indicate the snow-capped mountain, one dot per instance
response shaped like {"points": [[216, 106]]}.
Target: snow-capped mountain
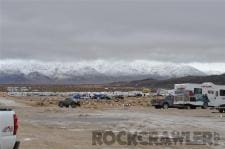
{"points": [[97, 71]]}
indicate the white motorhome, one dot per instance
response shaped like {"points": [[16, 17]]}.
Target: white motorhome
{"points": [[215, 93]]}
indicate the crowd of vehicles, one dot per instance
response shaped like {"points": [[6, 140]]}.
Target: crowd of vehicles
{"points": [[186, 95], [8, 129], [75, 100]]}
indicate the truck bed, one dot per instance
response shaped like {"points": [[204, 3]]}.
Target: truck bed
{"points": [[7, 138]]}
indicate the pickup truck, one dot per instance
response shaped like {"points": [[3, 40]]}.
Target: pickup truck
{"points": [[8, 129], [163, 102]]}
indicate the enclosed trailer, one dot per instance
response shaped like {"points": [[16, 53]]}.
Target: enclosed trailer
{"points": [[189, 95], [190, 101]]}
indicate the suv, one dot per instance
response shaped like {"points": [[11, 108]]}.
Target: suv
{"points": [[69, 102], [101, 96]]}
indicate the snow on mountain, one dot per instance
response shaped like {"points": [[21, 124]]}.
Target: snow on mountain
{"points": [[210, 68], [97, 69]]}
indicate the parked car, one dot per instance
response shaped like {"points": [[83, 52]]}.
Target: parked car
{"points": [[101, 96], [69, 102], [77, 96], [119, 97], [138, 95], [8, 129], [164, 102]]}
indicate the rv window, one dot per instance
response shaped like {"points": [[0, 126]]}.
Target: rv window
{"points": [[197, 91], [222, 92], [217, 94], [210, 92]]}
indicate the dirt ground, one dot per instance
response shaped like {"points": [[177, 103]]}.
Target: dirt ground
{"points": [[45, 126]]}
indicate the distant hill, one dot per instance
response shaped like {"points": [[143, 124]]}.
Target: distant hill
{"points": [[102, 72], [98, 72], [217, 79]]}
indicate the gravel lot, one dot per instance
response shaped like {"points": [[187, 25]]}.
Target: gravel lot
{"points": [[49, 127]]}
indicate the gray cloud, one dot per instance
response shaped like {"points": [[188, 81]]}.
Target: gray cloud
{"points": [[175, 31]]}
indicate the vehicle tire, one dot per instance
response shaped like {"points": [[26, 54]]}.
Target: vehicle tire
{"points": [[17, 145], [165, 106], [188, 107], [221, 110], [193, 107], [73, 105], [78, 104], [61, 105], [157, 107], [205, 105]]}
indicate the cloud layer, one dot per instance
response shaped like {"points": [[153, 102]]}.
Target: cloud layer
{"points": [[165, 31]]}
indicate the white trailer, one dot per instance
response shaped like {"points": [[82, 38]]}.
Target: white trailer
{"points": [[189, 95], [190, 101]]}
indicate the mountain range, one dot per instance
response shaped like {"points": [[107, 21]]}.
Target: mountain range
{"points": [[90, 72], [95, 72], [169, 83]]}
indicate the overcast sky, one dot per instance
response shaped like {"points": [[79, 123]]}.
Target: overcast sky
{"points": [[181, 31]]}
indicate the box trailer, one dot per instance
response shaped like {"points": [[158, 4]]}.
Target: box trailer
{"points": [[190, 101]]}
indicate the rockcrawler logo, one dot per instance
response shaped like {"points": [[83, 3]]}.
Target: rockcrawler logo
{"points": [[155, 138]]}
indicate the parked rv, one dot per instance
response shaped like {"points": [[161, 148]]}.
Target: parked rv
{"points": [[214, 93]]}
